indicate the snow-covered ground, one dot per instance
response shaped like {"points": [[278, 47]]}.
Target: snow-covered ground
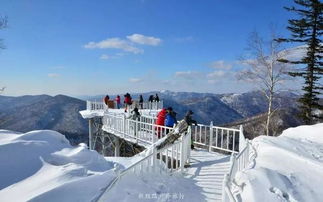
{"points": [[43, 166], [288, 167]]}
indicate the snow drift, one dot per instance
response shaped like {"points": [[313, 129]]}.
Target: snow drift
{"points": [[43, 166], [288, 167]]}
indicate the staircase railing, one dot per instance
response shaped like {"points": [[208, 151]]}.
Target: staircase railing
{"points": [[165, 161], [244, 160]]}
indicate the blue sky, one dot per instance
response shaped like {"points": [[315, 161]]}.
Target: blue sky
{"points": [[79, 47]]}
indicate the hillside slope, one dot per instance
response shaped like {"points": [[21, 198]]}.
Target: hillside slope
{"points": [[59, 113]]}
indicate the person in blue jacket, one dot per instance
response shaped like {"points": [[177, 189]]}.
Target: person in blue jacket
{"points": [[170, 119]]}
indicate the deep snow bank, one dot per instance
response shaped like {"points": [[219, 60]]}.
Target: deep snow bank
{"points": [[43, 166], [288, 167]]}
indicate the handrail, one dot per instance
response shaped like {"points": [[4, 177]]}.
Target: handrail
{"points": [[215, 137], [244, 160], [183, 156]]}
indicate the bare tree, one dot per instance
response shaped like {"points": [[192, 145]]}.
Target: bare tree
{"points": [[264, 69]]}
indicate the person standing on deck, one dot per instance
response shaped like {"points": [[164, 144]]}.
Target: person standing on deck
{"points": [[151, 98], [118, 100], [160, 121], [156, 98], [106, 99], [127, 101], [135, 115], [189, 120], [170, 120], [141, 101]]}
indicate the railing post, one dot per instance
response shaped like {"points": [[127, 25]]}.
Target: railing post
{"points": [[211, 136], [124, 125], [182, 154], [242, 140], [154, 158], [188, 144], [90, 134], [153, 133]]}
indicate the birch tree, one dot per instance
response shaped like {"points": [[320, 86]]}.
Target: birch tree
{"points": [[264, 70]]}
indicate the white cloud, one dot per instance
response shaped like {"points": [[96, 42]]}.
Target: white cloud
{"points": [[144, 40], [189, 75], [114, 43], [216, 74], [53, 75], [220, 64], [135, 80], [106, 57]]}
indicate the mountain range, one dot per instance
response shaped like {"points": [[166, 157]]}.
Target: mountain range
{"points": [[61, 113]]}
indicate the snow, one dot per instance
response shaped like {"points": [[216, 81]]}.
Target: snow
{"points": [[154, 187], [288, 167], [43, 166]]}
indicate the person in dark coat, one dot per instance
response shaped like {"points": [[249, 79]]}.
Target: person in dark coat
{"points": [[141, 101], [156, 98], [106, 99], [135, 115], [189, 120], [151, 98]]}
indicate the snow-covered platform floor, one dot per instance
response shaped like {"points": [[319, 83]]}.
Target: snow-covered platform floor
{"points": [[208, 170]]}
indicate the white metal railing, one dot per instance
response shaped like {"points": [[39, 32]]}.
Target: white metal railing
{"points": [[147, 105], [167, 160], [244, 160], [213, 137], [93, 105], [143, 130]]}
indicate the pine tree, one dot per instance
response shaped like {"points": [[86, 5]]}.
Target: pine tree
{"points": [[307, 29]]}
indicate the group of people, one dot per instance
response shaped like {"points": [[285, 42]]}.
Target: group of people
{"points": [[166, 117], [128, 100], [153, 98]]}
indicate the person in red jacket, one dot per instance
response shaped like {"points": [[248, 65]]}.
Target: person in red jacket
{"points": [[160, 121], [127, 101], [118, 100]]}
